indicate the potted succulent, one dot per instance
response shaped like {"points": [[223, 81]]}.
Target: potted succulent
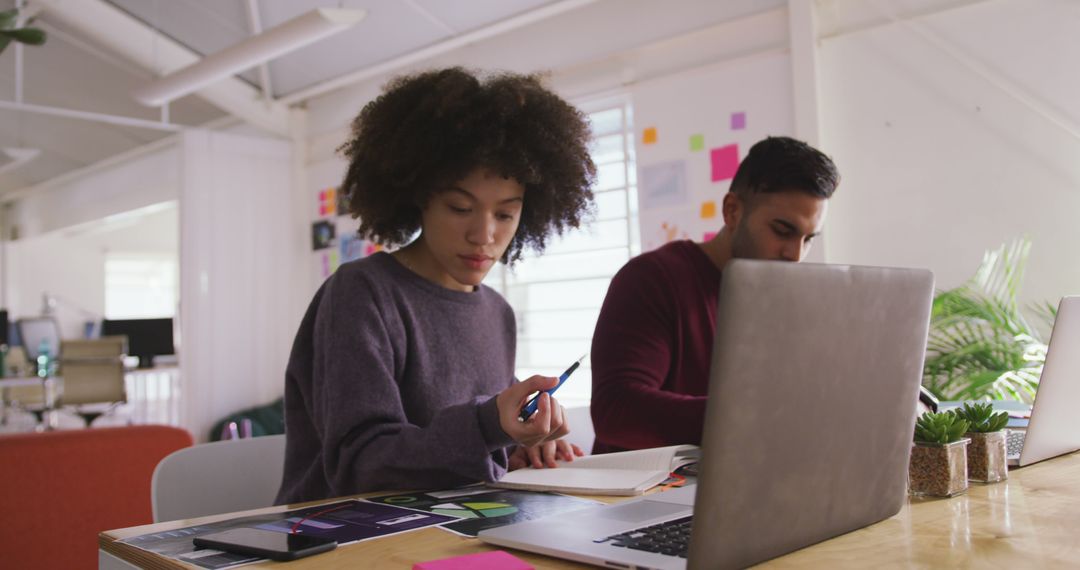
{"points": [[938, 466], [986, 455]]}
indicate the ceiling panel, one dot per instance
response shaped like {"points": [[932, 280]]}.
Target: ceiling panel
{"points": [[467, 16], [203, 26], [69, 73], [391, 28], [1034, 45]]}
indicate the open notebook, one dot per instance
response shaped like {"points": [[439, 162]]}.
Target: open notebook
{"points": [[623, 473]]}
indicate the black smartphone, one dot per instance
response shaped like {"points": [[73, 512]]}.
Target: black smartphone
{"points": [[273, 545]]}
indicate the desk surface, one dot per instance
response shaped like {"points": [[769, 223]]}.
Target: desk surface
{"points": [[1028, 521]]}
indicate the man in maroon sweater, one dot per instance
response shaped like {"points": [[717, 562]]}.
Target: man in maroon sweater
{"points": [[652, 347]]}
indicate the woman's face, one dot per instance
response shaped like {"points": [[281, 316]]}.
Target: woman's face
{"points": [[466, 228]]}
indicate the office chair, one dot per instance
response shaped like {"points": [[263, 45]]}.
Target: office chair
{"points": [[93, 372], [30, 398], [218, 477]]}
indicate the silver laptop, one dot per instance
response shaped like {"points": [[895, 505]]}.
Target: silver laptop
{"points": [[1054, 427], [807, 432]]}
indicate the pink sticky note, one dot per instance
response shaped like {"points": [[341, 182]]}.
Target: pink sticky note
{"points": [[494, 560], [725, 161], [738, 121], [708, 236]]}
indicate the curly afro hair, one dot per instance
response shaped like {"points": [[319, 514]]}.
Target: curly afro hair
{"points": [[430, 130]]}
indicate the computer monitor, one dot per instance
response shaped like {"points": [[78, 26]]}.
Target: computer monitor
{"points": [[36, 332], [147, 338]]}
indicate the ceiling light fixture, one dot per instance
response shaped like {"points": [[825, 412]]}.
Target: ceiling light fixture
{"points": [[279, 40]]}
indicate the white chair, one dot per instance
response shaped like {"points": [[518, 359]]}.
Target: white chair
{"points": [[218, 477], [581, 428]]}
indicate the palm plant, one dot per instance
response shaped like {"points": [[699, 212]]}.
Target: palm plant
{"points": [[981, 347]]}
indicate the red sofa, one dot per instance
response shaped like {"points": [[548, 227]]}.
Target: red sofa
{"points": [[59, 489]]}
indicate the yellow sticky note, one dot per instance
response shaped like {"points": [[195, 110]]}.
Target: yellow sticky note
{"points": [[708, 210], [649, 135]]}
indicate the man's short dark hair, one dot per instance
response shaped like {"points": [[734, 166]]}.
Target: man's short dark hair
{"points": [[429, 130], [779, 164]]}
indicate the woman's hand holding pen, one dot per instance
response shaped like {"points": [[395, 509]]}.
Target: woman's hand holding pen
{"points": [[546, 425]]}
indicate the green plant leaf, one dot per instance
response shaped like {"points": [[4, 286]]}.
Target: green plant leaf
{"points": [[8, 19], [31, 36], [980, 344]]}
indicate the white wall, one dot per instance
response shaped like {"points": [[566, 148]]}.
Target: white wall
{"points": [[113, 187], [702, 103], [241, 248], [954, 133], [608, 45], [69, 264], [647, 48], [66, 268]]}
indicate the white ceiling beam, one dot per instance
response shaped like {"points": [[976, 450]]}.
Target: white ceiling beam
{"points": [[109, 26], [436, 49], [255, 23]]}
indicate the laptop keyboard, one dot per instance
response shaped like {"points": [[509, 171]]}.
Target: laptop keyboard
{"points": [[671, 538], [1014, 443]]}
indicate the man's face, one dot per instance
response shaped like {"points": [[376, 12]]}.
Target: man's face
{"points": [[778, 226]]}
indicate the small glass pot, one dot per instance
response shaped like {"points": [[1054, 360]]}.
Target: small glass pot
{"points": [[986, 457], [938, 470]]}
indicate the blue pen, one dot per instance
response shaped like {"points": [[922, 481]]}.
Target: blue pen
{"points": [[530, 407]]}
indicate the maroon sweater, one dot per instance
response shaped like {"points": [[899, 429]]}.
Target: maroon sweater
{"points": [[652, 348]]}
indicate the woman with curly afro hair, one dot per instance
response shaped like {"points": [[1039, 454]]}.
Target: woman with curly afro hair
{"points": [[402, 372]]}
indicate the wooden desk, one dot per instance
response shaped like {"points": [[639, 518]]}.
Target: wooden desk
{"points": [[1031, 520]]}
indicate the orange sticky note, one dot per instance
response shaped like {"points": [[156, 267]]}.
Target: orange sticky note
{"points": [[648, 136], [708, 210]]}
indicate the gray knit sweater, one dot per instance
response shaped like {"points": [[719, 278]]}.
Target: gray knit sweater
{"points": [[391, 384]]}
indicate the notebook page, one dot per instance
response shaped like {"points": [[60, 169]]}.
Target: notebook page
{"points": [[656, 459]]}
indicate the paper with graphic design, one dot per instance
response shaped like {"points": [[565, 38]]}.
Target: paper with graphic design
{"points": [[344, 521], [663, 184], [480, 508]]}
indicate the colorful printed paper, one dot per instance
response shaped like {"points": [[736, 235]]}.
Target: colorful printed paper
{"points": [[351, 247], [725, 161], [327, 202], [480, 508], [346, 522], [322, 234], [663, 184], [738, 121]]}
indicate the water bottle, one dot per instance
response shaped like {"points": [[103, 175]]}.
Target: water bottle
{"points": [[44, 359]]}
